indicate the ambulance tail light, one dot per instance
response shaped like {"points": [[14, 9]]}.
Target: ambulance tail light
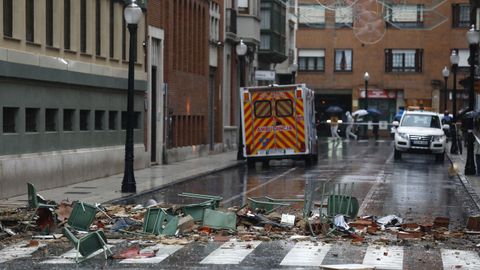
{"points": [[249, 150], [298, 93], [302, 147], [246, 96]]}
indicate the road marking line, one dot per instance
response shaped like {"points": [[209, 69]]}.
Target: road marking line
{"points": [[259, 186], [232, 252], [383, 257], [306, 254], [17, 251], [69, 256], [460, 259], [163, 251]]}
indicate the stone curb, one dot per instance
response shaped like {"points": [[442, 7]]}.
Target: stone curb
{"points": [[468, 187], [218, 169]]}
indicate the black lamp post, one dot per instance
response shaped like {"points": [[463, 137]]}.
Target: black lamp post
{"points": [[454, 59], [366, 77], [445, 73], [241, 50], [132, 14], [473, 38]]}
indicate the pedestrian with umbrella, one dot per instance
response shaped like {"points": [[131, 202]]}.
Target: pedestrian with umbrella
{"points": [[348, 130], [334, 110], [375, 120]]}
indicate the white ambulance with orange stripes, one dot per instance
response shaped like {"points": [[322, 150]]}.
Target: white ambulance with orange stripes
{"points": [[278, 123]]}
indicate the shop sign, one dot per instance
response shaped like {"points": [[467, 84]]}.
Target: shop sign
{"points": [[378, 93]]}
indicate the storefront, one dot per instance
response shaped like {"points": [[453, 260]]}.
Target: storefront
{"points": [[383, 100]]}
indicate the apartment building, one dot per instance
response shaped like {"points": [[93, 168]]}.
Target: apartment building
{"points": [[63, 92], [403, 45]]}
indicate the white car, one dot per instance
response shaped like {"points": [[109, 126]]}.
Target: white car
{"points": [[420, 132]]}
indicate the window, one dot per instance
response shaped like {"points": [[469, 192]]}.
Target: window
{"points": [[7, 18], [403, 60], [343, 60], [265, 17], [460, 15], [311, 60], [265, 42], [99, 120], [343, 17], [49, 22], [84, 120], [214, 21], [124, 44], [83, 26], [68, 119], [10, 116], [112, 120], [124, 121], [66, 24], [98, 28], [136, 120], [243, 6], [311, 15], [463, 55], [283, 108], [29, 20], [262, 109], [406, 16], [112, 29], [415, 120], [51, 116], [31, 119]]}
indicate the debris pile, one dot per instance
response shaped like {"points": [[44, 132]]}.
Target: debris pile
{"points": [[263, 219]]}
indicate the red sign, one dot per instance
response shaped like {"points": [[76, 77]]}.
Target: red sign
{"points": [[378, 93]]}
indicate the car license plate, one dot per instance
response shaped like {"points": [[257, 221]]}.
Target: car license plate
{"points": [[420, 142], [276, 152]]}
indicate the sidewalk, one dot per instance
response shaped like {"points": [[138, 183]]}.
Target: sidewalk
{"points": [[156, 177], [470, 182]]}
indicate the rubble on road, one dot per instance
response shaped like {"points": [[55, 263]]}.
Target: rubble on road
{"points": [[170, 224]]}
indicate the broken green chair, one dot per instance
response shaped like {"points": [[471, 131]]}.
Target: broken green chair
{"points": [[220, 220], [266, 203], [82, 216], [157, 221], [87, 245], [196, 210], [342, 204], [35, 201]]}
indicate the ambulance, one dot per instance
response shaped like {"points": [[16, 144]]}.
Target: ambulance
{"points": [[278, 123]]}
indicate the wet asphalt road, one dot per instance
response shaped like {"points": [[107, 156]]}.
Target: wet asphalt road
{"points": [[415, 188]]}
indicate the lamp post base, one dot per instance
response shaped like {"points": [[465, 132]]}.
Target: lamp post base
{"points": [[454, 146]]}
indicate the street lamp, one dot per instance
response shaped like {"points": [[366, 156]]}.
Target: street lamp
{"points": [[445, 73], [454, 59], [473, 38], [241, 49], [366, 77], [132, 14]]}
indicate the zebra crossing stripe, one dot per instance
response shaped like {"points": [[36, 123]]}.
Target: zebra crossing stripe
{"points": [[460, 259], [17, 251], [69, 256], [306, 254], [231, 252], [384, 257], [162, 252]]}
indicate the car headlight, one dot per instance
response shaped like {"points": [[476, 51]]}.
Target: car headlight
{"points": [[403, 135], [438, 138]]}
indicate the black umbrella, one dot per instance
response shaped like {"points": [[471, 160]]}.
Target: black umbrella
{"points": [[334, 109], [374, 111]]}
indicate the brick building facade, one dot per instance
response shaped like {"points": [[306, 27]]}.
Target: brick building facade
{"points": [[403, 48]]}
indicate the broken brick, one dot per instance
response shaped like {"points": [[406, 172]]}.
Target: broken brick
{"points": [[409, 235], [441, 222], [221, 238], [426, 227], [473, 223]]}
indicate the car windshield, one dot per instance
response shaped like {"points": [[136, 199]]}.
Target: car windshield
{"points": [[418, 120]]}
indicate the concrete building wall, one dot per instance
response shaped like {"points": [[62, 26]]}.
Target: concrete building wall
{"points": [[40, 76]]}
